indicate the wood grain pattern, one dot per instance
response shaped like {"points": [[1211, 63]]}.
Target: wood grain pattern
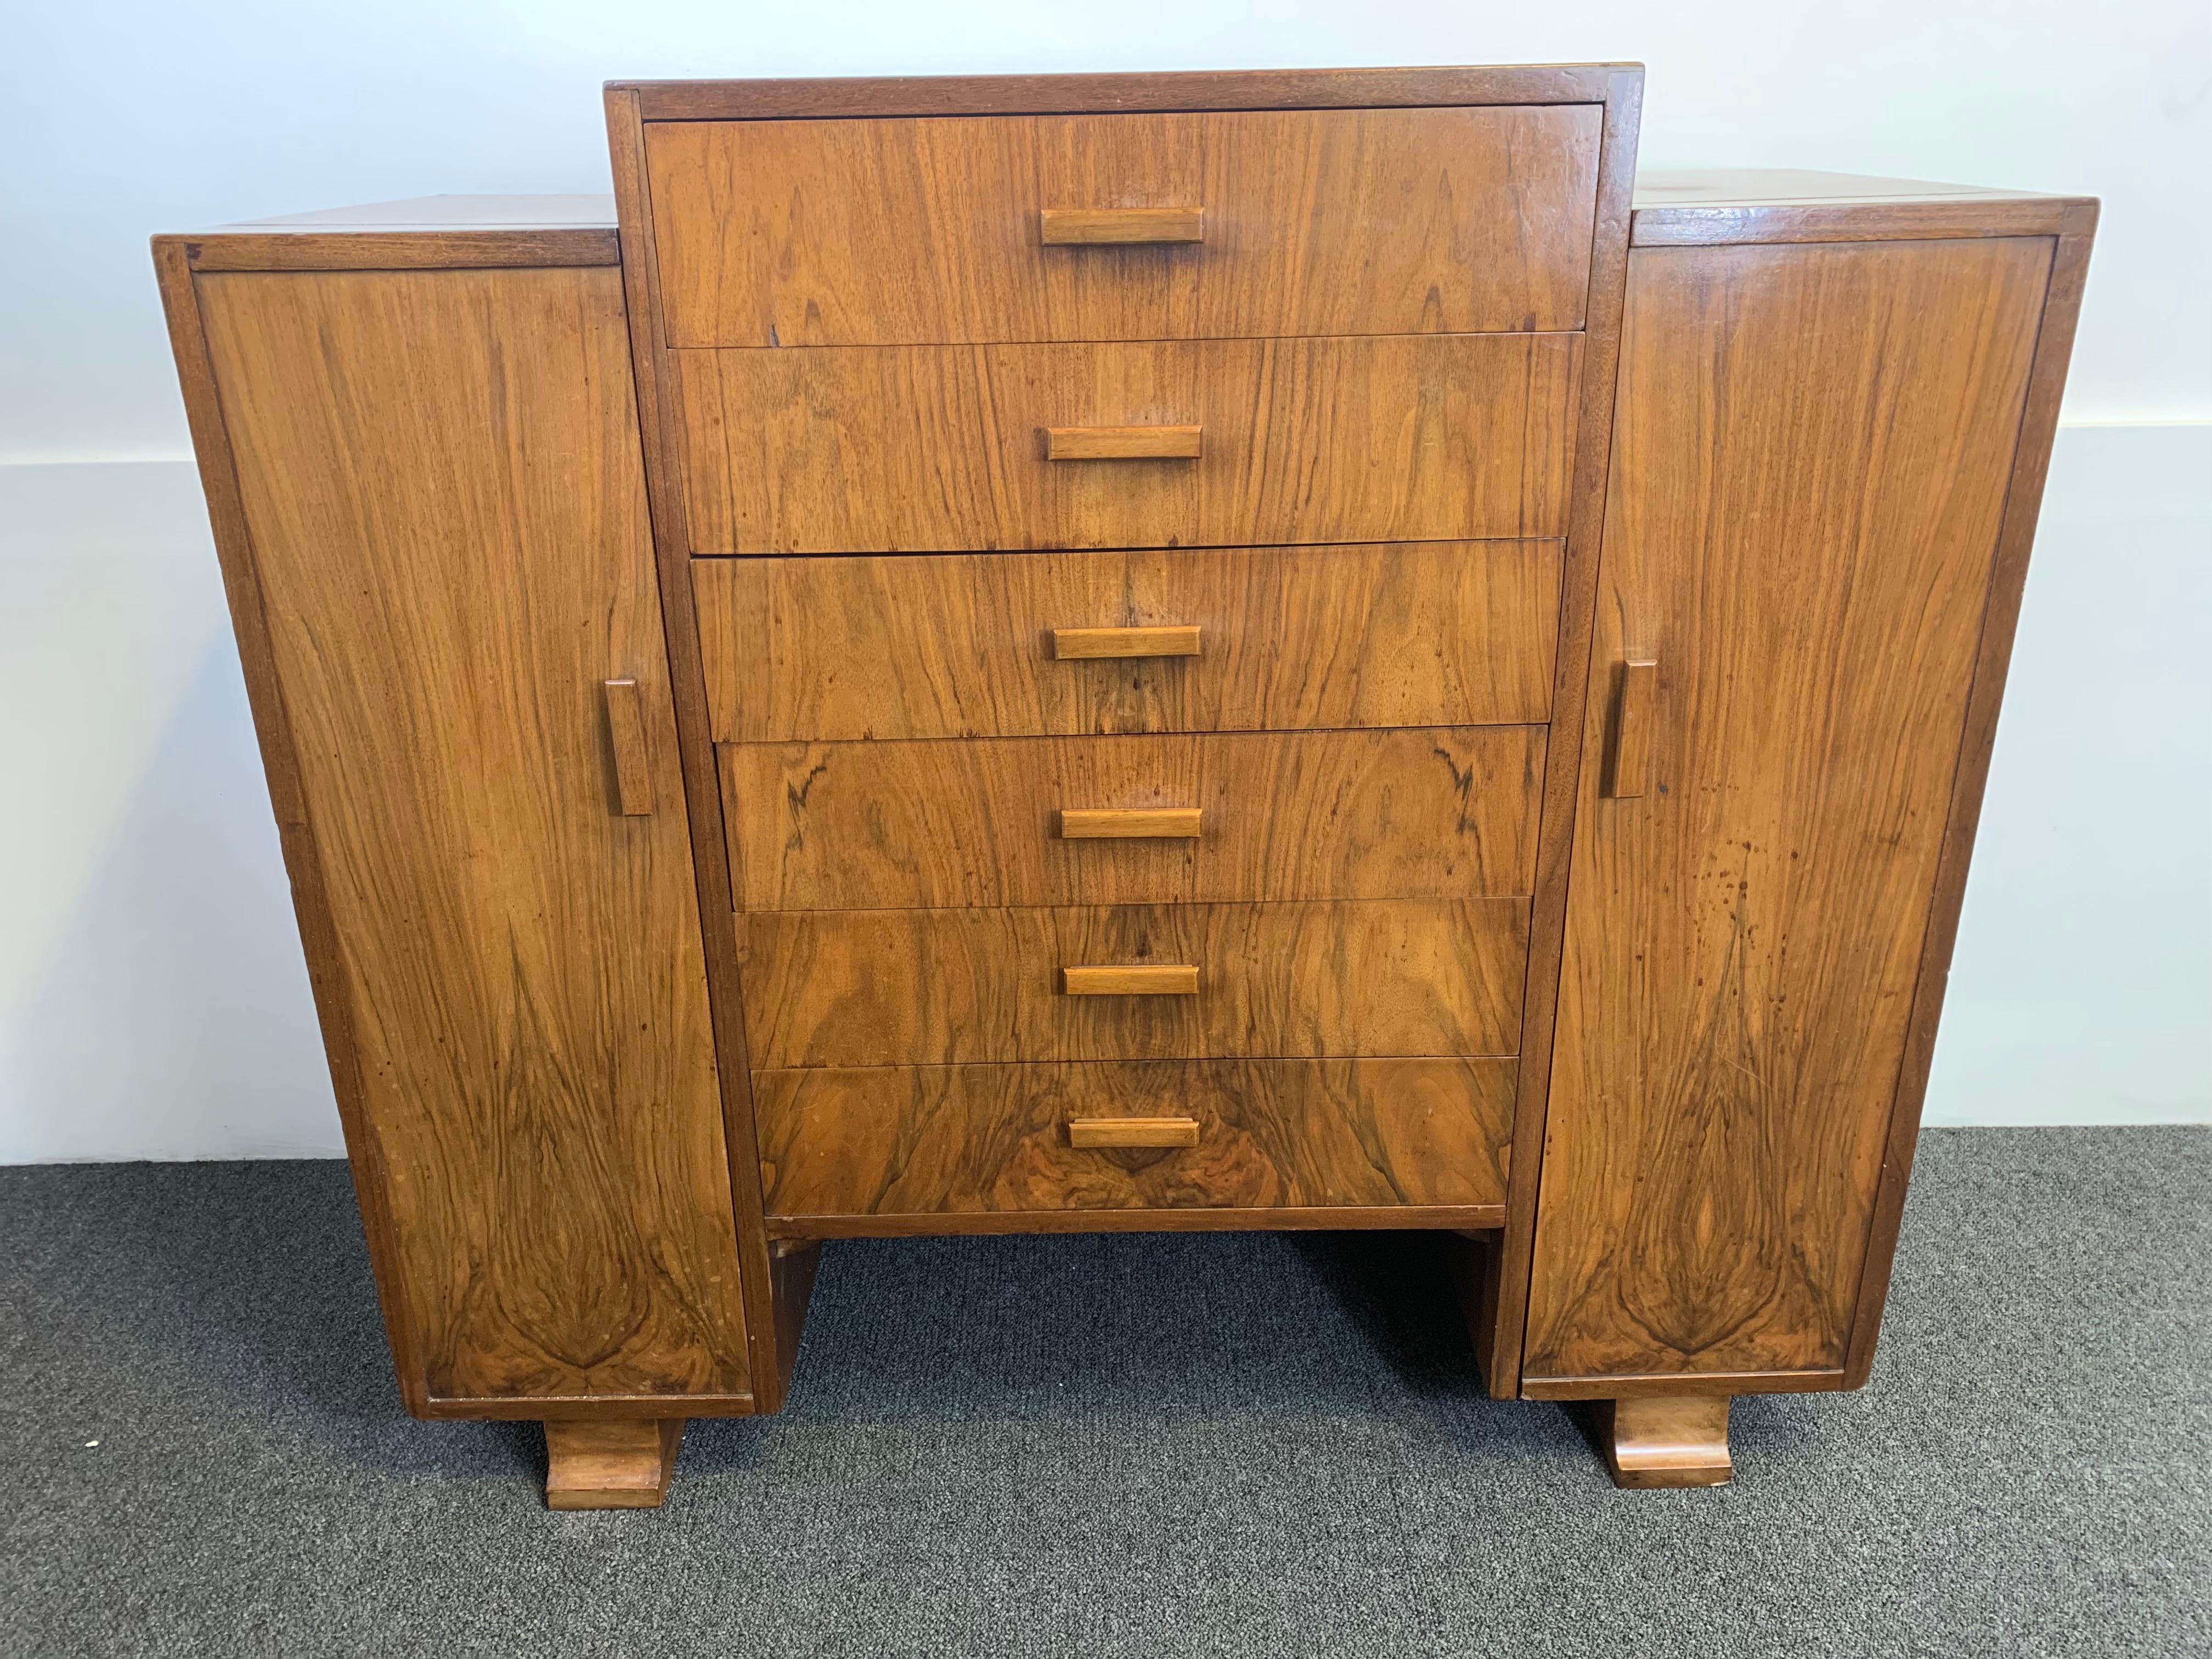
{"points": [[401, 250], [898, 231], [303, 861], [1667, 1441], [424, 233], [1814, 451], [1717, 206], [889, 987], [1631, 1385], [878, 97], [440, 469], [937, 1142], [1629, 753], [1435, 812], [1090, 644], [612, 1463], [994, 1223], [633, 763], [1123, 443], [1132, 824], [1159, 979], [1119, 227], [2031, 460], [1418, 634], [1502, 1299], [1093, 1133], [934, 448], [656, 420]]}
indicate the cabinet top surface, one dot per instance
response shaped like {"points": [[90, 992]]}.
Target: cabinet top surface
{"points": [[1709, 188], [543, 212], [1202, 89], [1672, 208]]}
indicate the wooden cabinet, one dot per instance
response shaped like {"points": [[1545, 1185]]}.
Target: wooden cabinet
{"points": [[439, 556], [1815, 458], [1124, 653]]}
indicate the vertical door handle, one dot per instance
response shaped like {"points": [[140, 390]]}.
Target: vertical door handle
{"points": [[1633, 713], [626, 726]]}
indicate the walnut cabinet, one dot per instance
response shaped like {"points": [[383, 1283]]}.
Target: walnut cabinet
{"points": [[1276, 650]]}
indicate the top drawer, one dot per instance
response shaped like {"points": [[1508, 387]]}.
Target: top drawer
{"points": [[932, 232]]}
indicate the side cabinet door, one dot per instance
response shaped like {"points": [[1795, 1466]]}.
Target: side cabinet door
{"points": [[1810, 464], [445, 499]]}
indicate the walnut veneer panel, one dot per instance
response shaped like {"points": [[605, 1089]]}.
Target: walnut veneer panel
{"points": [[1810, 467], [887, 987], [939, 449], [1273, 1135], [440, 474], [927, 232], [1442, 811], [1408, 633]]}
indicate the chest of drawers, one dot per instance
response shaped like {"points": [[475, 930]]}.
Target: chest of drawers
{"points": [[1128, 590], [1116, 652]]}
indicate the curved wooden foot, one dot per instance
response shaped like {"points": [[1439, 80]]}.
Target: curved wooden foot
{"points": [[1667, 1440], [610, 1462]]}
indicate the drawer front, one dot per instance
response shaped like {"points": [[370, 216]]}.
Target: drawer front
{"points": [[1442, 812], [1003, 644], [938, 1140], [1254, 224], [943, 448], [894, 988]]}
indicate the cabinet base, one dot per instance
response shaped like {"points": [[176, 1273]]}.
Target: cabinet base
{"points": [[1666, 1440], [610, 1463]]}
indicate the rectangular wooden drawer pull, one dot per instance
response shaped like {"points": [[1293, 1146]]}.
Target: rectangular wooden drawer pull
{"points": [[1632, 728], [1166, 979], [1129, 823], [1133, 1131], [1119, 227], [1072, 643], [626, 727], [1121, 443]]}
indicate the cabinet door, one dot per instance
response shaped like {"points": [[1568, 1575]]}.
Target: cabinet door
{"points": [[1810, 464], [442, 488]]}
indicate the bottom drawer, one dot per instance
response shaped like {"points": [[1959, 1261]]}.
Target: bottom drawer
{"points": [[941, 1141]]}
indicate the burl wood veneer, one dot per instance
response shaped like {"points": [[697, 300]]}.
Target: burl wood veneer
{"points": [[1128, 652]]}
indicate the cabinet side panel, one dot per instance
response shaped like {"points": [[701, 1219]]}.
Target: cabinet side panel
{"points": [[1810, 472], [443, 491]]}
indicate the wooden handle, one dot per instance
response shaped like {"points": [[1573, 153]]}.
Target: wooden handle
{"points": [[626, 726], [1133, 1131], [1119, 227], [1129, 823], [1166, 979], [1069, 643], [1631, 726], [1121, 443]]}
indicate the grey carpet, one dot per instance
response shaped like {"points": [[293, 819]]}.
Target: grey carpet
{"points": [[1262, 1445]]}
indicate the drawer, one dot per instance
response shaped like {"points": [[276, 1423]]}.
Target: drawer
{"points": [[894, 987], [1307, 222], [934, 1140], [1220, 640], [944, 448], [1440, 811]]}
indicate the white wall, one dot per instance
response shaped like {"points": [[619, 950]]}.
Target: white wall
{"points": [[152, 998]]}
